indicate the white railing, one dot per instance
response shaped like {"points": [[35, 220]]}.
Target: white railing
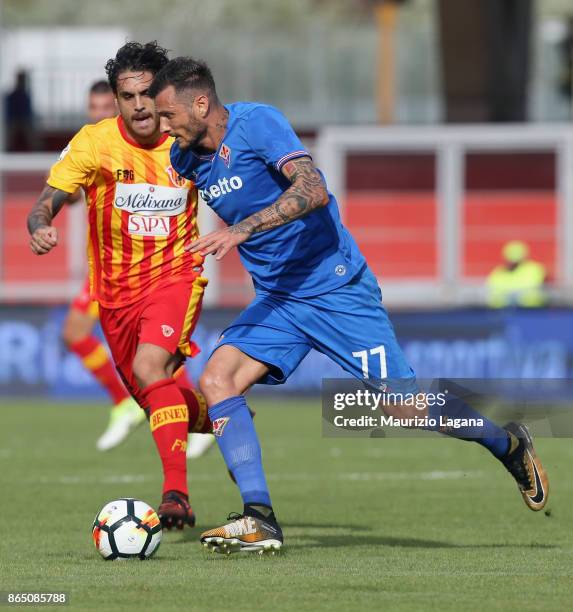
{"points": [[65, 289], [450, 144]]}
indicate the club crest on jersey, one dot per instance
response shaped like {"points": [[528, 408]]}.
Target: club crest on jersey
{"points": [[219, 425], [167, 330], [176, 179], [225, 154]]}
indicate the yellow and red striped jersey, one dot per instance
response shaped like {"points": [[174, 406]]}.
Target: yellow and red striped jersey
{"points": [[141, 212]]}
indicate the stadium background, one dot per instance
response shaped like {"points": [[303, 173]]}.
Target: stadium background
{"points": [[397, 102], [430, 203]]}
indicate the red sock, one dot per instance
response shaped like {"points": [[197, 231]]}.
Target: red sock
{"points": [[199, 421], [168, 420], [182, 379], [95, 359]]}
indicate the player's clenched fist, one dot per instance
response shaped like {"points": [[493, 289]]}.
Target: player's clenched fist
{"points": [[44, 239]]}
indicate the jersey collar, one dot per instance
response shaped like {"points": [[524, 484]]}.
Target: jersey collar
{"points": [[134, 143]]}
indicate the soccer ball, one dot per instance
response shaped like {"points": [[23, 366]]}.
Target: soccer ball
{"points": [[126, 528]]}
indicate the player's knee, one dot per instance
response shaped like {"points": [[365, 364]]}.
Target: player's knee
{"points": [[216, 386], [148, 370], [71, 333], [67, 335], [77, 327]]}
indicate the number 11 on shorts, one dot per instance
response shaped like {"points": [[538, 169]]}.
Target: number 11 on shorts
{"points": [[363, 356]]}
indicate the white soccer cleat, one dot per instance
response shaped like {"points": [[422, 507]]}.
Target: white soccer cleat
{"points": [[123, 419], [198, 444], [244, 534]]}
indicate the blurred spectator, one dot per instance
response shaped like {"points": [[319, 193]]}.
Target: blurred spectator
{"points": [[518, 281], [566, 51], [19, 116], [101, 102]]}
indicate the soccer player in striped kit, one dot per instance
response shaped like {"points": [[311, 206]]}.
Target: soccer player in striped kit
{"points": [[141, 216], [83, 315], [125, 415]]}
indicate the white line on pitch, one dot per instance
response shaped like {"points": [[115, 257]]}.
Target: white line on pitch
{"points": [[275, 477], [435, 475]]}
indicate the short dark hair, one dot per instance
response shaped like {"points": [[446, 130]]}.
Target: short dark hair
{"points": [[184, 73], [100, 87], [134, 56]]}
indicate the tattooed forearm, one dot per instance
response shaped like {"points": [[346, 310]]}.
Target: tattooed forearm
{"points": [[287, 208], [306, 194], [46, 208]]}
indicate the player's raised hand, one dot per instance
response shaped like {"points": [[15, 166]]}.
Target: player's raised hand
{"points": [[44, 239], [219, 243]]}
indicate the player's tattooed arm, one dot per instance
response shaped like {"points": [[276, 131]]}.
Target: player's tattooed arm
{"points": [[306, 193], [44, 237]]}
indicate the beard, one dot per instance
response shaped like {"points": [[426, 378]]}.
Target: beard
{"points": [[194, 140]]}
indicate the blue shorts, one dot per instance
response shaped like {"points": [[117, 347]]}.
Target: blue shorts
{"points": [[348, 324]]}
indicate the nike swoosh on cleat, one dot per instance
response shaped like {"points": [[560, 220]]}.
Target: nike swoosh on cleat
{"points": [[539, 493]]}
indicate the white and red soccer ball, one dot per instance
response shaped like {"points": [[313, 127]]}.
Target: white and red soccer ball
{"points": [[126, 528]]}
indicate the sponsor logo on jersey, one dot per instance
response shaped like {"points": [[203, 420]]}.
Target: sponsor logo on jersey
{"points": [[146, 199], [219, 425], [167, 330], [220, 188], [168, 415], [176, 179], [125, 175], [225, 154], [148, 225]]}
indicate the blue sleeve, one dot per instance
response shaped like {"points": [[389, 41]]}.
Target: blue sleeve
{"points": [[271, 136], [180, 161]]}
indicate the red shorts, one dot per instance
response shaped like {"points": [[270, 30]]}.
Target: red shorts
{"points": [[84, 303], [166, 317]]}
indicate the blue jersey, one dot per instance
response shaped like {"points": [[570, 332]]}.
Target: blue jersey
{"points": [[306, 257]]}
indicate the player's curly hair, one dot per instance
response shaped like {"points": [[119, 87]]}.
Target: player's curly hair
{"points": [[184, 73], [134, 56]]}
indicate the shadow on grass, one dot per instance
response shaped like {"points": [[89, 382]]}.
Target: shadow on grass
{"points": [[353, 540], [185, 536], [315, 539], [345, 526], [192, 535]]}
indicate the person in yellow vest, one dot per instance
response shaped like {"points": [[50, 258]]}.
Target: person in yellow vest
{"points": [[519, 281]]}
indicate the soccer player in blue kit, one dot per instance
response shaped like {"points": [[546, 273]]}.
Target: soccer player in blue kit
{"points": [[313, 289]]}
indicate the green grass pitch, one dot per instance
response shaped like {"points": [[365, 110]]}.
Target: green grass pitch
{"points": [[395, 524]]}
